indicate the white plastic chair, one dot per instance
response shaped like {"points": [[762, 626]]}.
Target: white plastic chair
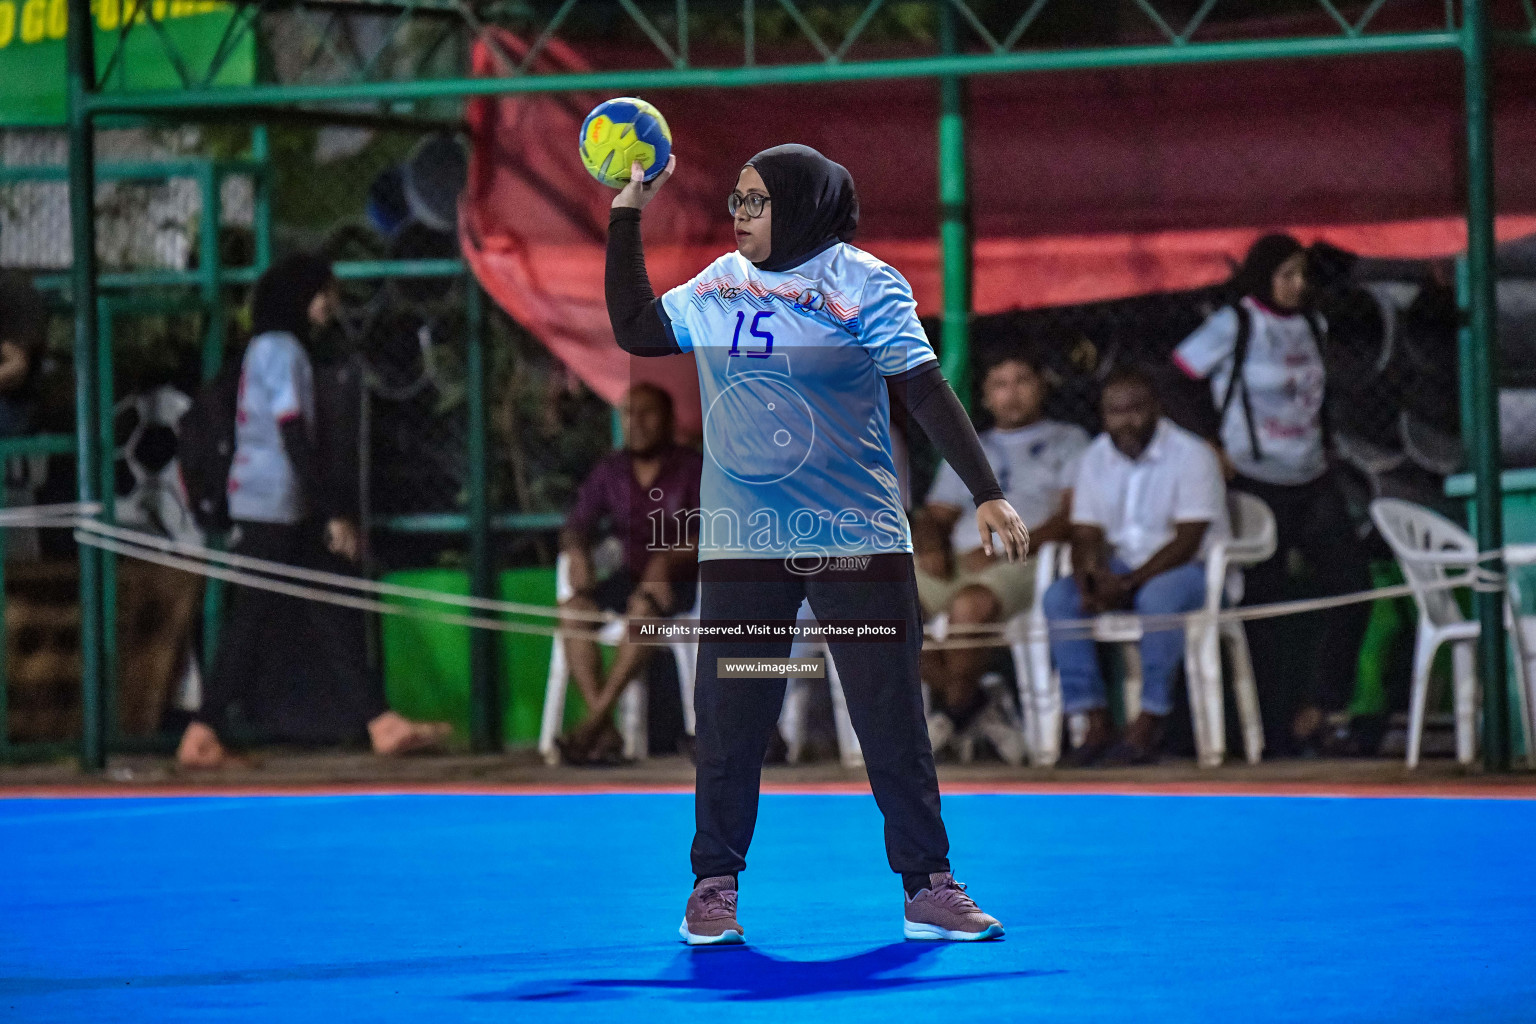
{"points": [[1253, 541], [1040, 708], [1431, 550], [632, 702]]}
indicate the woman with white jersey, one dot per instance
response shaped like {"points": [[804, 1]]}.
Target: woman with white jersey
{"points": [[801, 343], [1272, 435], [295, 669]]}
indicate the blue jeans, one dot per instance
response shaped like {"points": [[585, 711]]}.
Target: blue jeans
{"points": [[1082, 684]]}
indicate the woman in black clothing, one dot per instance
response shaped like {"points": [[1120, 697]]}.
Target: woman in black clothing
{"points": [[1272, 436], [291, 668], [801, 342]]}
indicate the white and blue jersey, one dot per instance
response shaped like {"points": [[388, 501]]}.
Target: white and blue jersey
{"points": [[277, 384], [797, 444]]}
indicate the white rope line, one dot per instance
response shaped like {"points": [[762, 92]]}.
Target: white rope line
{"points": [[980, 635], [985, 634], [315, 594], [338, 580], [1474, 580], [198, 559], [48, 515]]}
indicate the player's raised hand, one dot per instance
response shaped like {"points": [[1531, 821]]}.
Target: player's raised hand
{"points": [[639, 192], [998, 516]]}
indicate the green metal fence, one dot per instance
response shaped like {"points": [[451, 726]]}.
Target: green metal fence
{"points": [[945, 40], [204, 290]]}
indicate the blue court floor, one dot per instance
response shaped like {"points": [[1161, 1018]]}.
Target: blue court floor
{"points": [[528, 908]]}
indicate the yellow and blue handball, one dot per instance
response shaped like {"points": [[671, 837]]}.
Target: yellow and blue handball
{"points": [[617, 133]]}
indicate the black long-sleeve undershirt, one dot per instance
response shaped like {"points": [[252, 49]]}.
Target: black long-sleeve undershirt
{"points": [[927, 398], [304, 455], [639, 322], [641, 328]]}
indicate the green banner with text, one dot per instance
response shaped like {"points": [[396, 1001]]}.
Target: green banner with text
{"points": [[140, 45]]}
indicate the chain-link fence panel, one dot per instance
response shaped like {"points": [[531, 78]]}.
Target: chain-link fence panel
{"points": [[406, 337], [1390, 343], [142, 224]]}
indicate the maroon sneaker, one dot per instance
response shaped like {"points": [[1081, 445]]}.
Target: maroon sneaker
{"points": [[944, 913], [710, 918]]}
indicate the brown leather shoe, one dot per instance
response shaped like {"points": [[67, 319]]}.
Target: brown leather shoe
{"points": [[1142, 742], [1100, 738], [608, 748], [593, 743]]}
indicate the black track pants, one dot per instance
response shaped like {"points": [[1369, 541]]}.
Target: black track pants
{"points": [[1311, 659], [292, 669], [736, 716]]}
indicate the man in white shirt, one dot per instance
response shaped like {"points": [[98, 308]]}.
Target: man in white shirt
{"points": [[1149, 501], [1035, 461]]}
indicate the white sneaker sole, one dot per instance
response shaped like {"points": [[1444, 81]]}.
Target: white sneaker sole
{"points": [[933, 933], [726, 938]]}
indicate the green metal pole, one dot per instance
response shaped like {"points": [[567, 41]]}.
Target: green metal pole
{"points": [[81, 71], [261, 153], [485, 691], [207, 103], [106, 443], [954, 222], [142, 170], [1484, 428], [210, 270]]}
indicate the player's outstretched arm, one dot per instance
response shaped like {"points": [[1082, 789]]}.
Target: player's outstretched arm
{"points": [[638, 324]]}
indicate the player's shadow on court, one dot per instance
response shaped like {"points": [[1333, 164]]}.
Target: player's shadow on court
{"points": [[746, 974]]}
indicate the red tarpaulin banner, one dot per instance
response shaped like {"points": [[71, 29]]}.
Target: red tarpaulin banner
{"points": [[1084, 186]]}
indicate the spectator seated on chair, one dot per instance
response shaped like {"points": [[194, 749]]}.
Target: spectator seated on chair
{"points": [[1035, 461], [650, 483], [1149, 498]]}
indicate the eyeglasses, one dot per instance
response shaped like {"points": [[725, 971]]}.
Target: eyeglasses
{"points": [[755, 202]]}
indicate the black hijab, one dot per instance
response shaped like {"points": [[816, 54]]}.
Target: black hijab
{"points": [[1256, 277], [282, 296], [814, 204]]}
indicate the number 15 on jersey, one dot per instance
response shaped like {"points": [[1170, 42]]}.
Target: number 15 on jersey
{"points": [[754, 331]]}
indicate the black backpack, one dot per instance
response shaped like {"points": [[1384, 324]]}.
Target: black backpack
{"points": [[205, 448]]}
